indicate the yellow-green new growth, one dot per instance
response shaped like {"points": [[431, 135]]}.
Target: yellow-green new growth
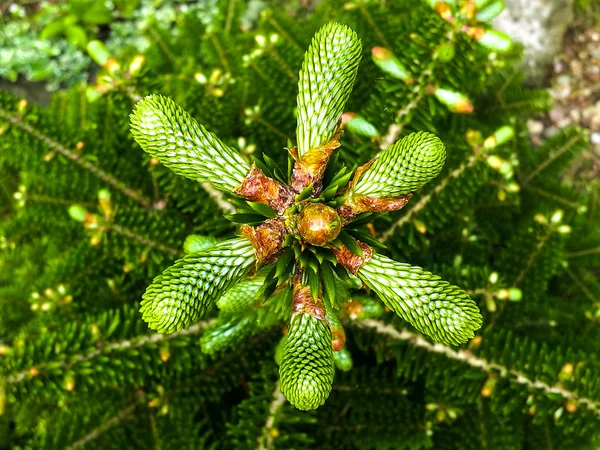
{"points": [[404, 167], [171, 135], [306, 370], [298, 229], [326, 80], [431, 305], [181, 295]]}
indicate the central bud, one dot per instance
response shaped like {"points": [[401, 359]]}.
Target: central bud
{"points": [[318, 224]]}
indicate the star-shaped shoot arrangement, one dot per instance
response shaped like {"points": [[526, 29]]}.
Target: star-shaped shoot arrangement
{"points": [[304, 233]]}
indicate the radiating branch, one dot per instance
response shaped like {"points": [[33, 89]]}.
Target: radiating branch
{"points": [[127, 343], [144, 240], [104, 427], [77, 159], [471, 360]]}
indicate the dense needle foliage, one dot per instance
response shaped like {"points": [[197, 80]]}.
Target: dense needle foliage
{"points": [[91, 219]]}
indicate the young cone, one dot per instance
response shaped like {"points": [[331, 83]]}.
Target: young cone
{"points": [[171, 135], [432, 306], [185, 291]]}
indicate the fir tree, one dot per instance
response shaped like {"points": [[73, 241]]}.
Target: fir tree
{"points": [[441, 118]]}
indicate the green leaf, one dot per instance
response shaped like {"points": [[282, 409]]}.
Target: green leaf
{"points": [[337, 184], [52, 29], [404, 167], [250, 219], [76, 35], [365, 236], [328, 280], [269, 285], [262, 209], [306, 192], [285, 259], [434, 307], [350, 243], [360, 220], [275, 169], [171, 135], [313, 282], [98, 51], [186, 290], [266, 170], [326, 80]]}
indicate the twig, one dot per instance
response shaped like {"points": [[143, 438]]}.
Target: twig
{"points": [[219, 198], [535, 254], [425, 199], [127, 343], [110, 423], [265, 440], [77, 159], [143, 239], [551, 158], [480, 363]]}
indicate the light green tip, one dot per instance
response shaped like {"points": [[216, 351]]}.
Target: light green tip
{"points": [[306, 370], [182, 294], [434, 307], [404, 167], [171, 135], [326, 80]]}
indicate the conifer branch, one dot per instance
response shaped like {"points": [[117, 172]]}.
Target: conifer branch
{"points": [[582, 286], [283, 32], [56, 201], [110, 423], [551, 158], [126, 343], [365, 13], [423, 201], [269, 50], [229, 18], [480, 363], [419, 91], [587, 251], [554, 197], [265, 440], [162, 44], [269, 126], [220, 52], [77, 159], [395, 129], [126, 232], [533, 256]]}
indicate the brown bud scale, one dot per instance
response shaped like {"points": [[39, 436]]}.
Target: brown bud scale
{"points": [[257, 187], [351, 261], [267, 239]]}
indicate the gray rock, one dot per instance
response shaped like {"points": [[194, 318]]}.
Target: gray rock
{"points": [[539, 25]]}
